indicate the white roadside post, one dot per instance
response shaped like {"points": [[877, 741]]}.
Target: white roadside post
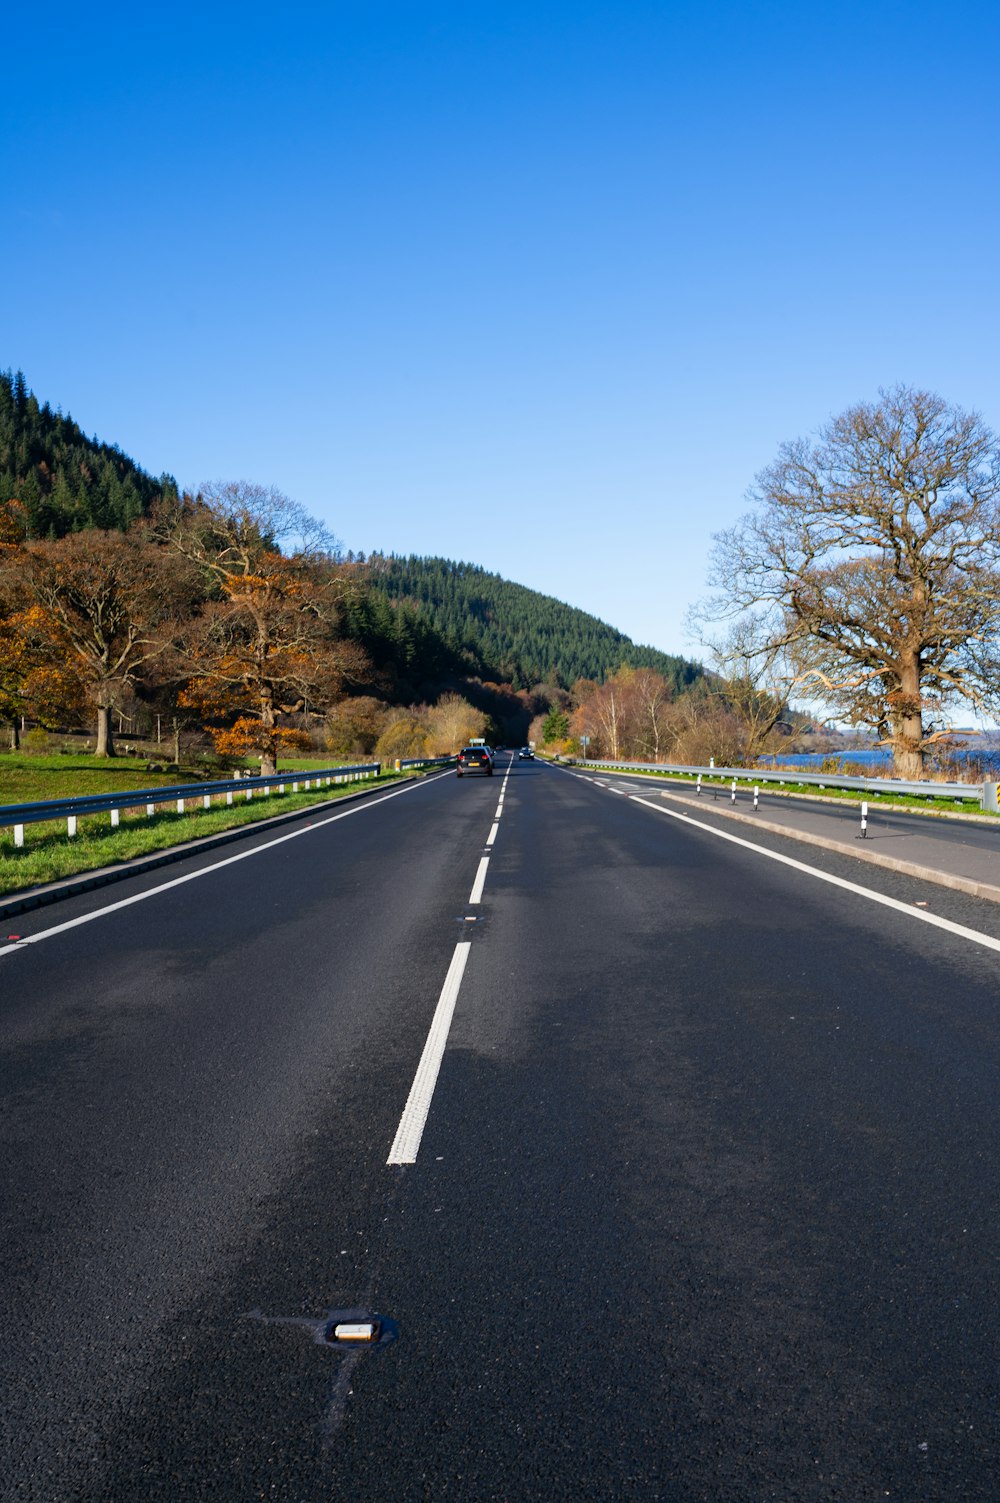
{"points": [[699, 785], [149, 810], [71, 825], [19, 837], [864, 821], [733, 795], [756, 796], [115, 813]]}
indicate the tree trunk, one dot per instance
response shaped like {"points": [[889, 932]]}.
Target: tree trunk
{"points": [[15, 738], [908, 723], [105, 736]]}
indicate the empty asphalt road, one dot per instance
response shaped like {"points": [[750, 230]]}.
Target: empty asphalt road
{"points": [[668, 1167]]}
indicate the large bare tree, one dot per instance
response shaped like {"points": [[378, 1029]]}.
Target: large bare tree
{"points": [[871, 559]]}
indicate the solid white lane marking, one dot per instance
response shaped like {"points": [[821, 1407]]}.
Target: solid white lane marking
{"points": [[204, 871], [477, 887], [973, 935], [493, 833], [418, 1103]]}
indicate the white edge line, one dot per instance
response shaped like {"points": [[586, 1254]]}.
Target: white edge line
{"points": [[204, 871], [986, 940], [411, 1124], [476, 895]]}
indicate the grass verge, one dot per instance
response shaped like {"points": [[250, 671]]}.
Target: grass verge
{"points": [[50, 855]]}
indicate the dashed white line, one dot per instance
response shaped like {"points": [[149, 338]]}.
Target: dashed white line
{"points": [[493, 834], [418, 1103], [476, 895]]}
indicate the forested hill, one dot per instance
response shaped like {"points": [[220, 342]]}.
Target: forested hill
{"points": [[516, 635], [65, 480]]}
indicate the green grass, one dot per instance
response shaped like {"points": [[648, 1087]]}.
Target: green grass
{"points": [[49, 854]]}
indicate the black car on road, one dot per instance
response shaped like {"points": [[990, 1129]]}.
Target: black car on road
{"points": [[475, 759]]}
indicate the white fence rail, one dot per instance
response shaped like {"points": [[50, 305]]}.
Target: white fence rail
{"points": [[983, 794], [179, 794]]}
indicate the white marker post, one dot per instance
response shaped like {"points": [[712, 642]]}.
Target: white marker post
{"points": [[733, 797], [864, 821], [699, 785], [756, 796]]}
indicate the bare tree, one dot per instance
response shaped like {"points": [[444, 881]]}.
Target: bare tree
{"points": [[872, 560], [752, 683]]}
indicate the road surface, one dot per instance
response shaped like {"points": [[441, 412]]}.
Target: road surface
{"points": [[693, 1191]]}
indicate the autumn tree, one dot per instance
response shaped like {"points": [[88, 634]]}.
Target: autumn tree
{"points": [[650, 694], [452, 723], [95, 609], [268, 640], [871, 559], [354, 724]]}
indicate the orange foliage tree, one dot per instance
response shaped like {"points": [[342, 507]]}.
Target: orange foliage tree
{"points": [[268, 640], [92, 611]]}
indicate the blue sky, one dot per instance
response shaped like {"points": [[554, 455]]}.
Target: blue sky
{"points": [[540, 286]]}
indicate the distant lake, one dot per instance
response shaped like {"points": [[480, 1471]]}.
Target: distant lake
{"points": [[879, 758]]}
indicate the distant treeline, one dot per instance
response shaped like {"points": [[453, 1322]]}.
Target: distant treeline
{"points": [[513, 634], [64, 480]]}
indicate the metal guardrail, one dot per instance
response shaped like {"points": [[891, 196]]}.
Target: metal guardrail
{"points": [[70, 809], [984, 794]]}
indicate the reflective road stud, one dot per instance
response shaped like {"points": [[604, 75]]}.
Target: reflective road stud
{"points": [[356, 1330]]}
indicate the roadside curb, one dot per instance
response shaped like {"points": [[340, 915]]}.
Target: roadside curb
{"points": [[53, 892], [968, 885]]}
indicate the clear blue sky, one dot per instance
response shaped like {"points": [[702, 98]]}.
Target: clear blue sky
{"points": [[540, 286]]}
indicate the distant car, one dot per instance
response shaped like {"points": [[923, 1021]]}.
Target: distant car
{"points": [[475, 759], [526, 754]]}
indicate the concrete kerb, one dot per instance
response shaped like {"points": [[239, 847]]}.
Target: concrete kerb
{"points": [[68, 887], [892, 863]]}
